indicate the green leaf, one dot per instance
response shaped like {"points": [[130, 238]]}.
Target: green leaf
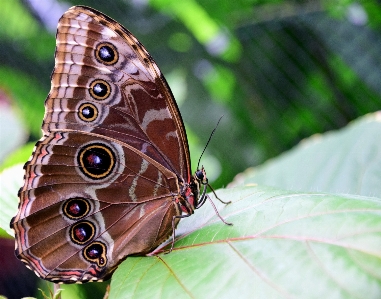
{"points": [[16, 22], [282, 245], [12, 132], [21, 155], [205, 30], [11, 180], [343, 161], [56, 295], [27, 94]]}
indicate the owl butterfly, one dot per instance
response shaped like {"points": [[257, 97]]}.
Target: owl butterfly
{"points": [[111, 175]]}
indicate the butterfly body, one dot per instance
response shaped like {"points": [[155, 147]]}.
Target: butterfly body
{"points": [[111, 175]]}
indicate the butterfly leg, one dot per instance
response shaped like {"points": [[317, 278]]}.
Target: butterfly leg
{"points": [[205, 196], [173, 228], [216, 211], [202, 198], [214, 192]]}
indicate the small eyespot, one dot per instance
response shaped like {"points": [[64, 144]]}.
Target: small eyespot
{"points": [[100, 89], [106, 53], [95, 253], [88, 112], [82, 232], [76, 208]]}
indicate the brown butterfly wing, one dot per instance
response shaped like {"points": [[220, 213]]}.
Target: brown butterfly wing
{"points": [[101, 183], [146, 114]]}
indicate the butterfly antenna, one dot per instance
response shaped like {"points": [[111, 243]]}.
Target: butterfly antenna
{"points": [[210, 137]]}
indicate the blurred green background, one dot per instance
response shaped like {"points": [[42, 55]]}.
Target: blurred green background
{"points": [[279, 71]]}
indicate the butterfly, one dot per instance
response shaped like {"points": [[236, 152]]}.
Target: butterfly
{"points": [[111, 175]]}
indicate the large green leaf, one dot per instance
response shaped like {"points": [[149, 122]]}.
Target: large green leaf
{"points": [[343, 161], [282, 245]]}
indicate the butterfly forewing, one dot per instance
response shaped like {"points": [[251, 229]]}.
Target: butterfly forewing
{"points": [[105, 180], [144, 112]]}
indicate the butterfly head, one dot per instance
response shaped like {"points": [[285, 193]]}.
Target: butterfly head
{"points": [[200, 176]]}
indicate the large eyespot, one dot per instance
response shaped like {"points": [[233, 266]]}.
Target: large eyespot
{"points": [[82, 232], [106, 53], [95, 253], [76, 208], [96, 160], [100, 89], [87, 112]]}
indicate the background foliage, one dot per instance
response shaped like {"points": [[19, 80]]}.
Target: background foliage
{"points": [[279, 71]]}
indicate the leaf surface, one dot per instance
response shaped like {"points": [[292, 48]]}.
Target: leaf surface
{"points": [[282, 245], [343, 161]]}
